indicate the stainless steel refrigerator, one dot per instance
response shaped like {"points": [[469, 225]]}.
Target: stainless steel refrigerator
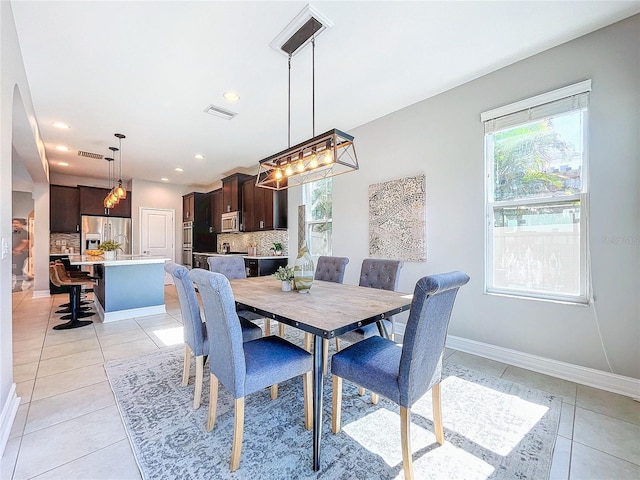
{"points": [[96, 230]]}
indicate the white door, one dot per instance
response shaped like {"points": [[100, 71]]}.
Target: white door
{"points": [[158, 234]]}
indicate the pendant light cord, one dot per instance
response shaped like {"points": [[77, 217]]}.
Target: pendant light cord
{"points": [[289, 107], [313, 86]]}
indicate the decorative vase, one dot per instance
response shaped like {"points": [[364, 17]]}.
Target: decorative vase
{"points": [[110, 255], [303, 271], [286, 285]]}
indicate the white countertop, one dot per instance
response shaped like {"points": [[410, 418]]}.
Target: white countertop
{"points": [[122, 259]]}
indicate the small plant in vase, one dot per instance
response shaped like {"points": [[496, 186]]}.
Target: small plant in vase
{"points": [[109, 248], [276, 248], [285, 275]]}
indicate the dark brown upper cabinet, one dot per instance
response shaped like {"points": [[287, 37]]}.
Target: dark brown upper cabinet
{"points": [[64, 209]]}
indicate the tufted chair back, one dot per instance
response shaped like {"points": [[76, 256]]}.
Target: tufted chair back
{"points": [[231, 267], [379, 273], [331, 269]]}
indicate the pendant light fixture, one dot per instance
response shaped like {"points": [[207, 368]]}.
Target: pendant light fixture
{"points": [[110, 200], [326, 155], [119, 190]]}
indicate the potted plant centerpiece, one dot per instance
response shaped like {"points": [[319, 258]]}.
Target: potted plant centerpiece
{"points": [[276, 248], [109, 248], [285, 274]]}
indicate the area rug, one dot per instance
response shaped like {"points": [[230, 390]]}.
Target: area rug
{"points": [[493, 429]]}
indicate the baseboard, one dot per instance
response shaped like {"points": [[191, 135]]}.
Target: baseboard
{"points": [[610, 382], [106, 317], [40, 294], [9, 411]]}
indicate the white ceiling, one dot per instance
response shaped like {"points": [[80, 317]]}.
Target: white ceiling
{"points": [[148, 69]]}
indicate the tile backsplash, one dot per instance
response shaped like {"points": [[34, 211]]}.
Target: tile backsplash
{"points": [[240, 242], [59, 241]]}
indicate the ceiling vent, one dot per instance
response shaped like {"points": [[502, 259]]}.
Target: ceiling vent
{"points": [[219, 112], [97, 156], [308, 24]]}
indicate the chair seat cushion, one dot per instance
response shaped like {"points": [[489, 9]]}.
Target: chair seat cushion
{"points": [[271, 360], [250, 331], [373, 363], [365, 332]]}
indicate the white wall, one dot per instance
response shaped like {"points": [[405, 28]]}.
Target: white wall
{"points": [[443, 138]]}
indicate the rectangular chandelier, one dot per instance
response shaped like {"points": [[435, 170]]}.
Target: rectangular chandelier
{"points": [[326, 155]]}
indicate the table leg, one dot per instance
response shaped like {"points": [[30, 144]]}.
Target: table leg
{"points": [[318, 362]]}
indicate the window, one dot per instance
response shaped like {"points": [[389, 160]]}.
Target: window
{"points": [[536, 191], [317, 198]]}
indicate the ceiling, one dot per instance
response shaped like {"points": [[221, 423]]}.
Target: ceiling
{"points": [[148, 69]]}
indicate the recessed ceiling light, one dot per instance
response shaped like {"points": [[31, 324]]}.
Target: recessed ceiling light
{"points": [[63, 164], [231, 96], [60, 125], [62, 148], [164, 179], [178, 169], [199, 156]]}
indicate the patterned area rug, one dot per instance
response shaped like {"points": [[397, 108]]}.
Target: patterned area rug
{"points": [[493, 428]]}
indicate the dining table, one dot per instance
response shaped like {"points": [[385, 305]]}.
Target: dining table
{"points": [[327, 311]]}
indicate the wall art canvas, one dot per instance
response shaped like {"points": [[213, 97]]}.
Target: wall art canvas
{"points": [[397, 219]]}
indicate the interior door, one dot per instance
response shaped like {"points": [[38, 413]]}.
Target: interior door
{"points": [[157, 234]]}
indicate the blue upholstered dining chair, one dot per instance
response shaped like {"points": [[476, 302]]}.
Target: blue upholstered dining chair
{"points": [[233, 268], [195, 332], [404, 373], [374, 273], [244, 368]]}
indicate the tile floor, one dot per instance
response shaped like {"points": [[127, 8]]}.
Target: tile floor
{"points": [[68, 426]]}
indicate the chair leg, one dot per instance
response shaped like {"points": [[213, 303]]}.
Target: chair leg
{"points": [[281, 330], [213, 402], [307, 342], [437, 414], [336, 404], [308, 400], [238, 428], [197, 393], [325, 355], [337, 344], [267, 327], [187, 365], [374, 398], [405, 434], [361, 392], [274, 391]]}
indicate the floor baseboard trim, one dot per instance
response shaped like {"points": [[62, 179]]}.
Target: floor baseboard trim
{"points": [[591, 377], [40, 294], [9, 411]]}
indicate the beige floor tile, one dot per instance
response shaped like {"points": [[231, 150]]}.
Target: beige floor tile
{"points": [[609, 435], [57, 445], [9, 457], [67, 381], [112, 328], [557, 386], [65, 406], [561, 459], [590, 464], [99, 465], [123, 337], [19, 422], [70, 362], [567, 414], [70, 348], [129, 349], [56, 337], [26, 356], [24, 372], [155, 320], [480, 364], [24, 390], [25, 345], [610, 404], [167, 336]]}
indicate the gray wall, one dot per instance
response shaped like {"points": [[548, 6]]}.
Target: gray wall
{"points": [[443, 138]]}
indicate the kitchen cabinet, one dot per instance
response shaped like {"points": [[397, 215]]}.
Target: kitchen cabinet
{"points": [[261, 267], [232, 192], [64, 209], [263, 208], [216, 210], [92, 203], [188, 207]]}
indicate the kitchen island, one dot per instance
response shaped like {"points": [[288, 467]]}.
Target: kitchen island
{"points": [[126, 287]]}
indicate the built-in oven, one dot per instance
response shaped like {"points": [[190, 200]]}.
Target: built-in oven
{"points": [[187, 244], [230, 222]]}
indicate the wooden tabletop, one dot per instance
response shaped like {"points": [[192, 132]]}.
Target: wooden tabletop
{"points": [[329, 309]]}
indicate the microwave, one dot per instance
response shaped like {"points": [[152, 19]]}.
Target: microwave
{"points": [[230, 222]]}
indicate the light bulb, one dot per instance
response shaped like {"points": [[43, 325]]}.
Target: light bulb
{"points": [[120, 191], [288, 171], [328, 156], [313, 162], [300, 166], [278, 174]]}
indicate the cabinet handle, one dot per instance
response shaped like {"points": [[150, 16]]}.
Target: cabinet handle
{"points": [[77, 228], [261, 223]]}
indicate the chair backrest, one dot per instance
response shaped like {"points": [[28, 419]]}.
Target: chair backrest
{"points": [[425, 334], [379, 273], [331, 269], [189, 307], [226, 357], [231, 267], [53, 275]]}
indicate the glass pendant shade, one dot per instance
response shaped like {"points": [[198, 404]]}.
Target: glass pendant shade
{"points": [[120, 191]]}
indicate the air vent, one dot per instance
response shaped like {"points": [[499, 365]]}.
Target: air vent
{"points": [[219, 112], [90, 155]]}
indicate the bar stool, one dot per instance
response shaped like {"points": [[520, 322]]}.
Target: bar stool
{"points": [[56, 271]]}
